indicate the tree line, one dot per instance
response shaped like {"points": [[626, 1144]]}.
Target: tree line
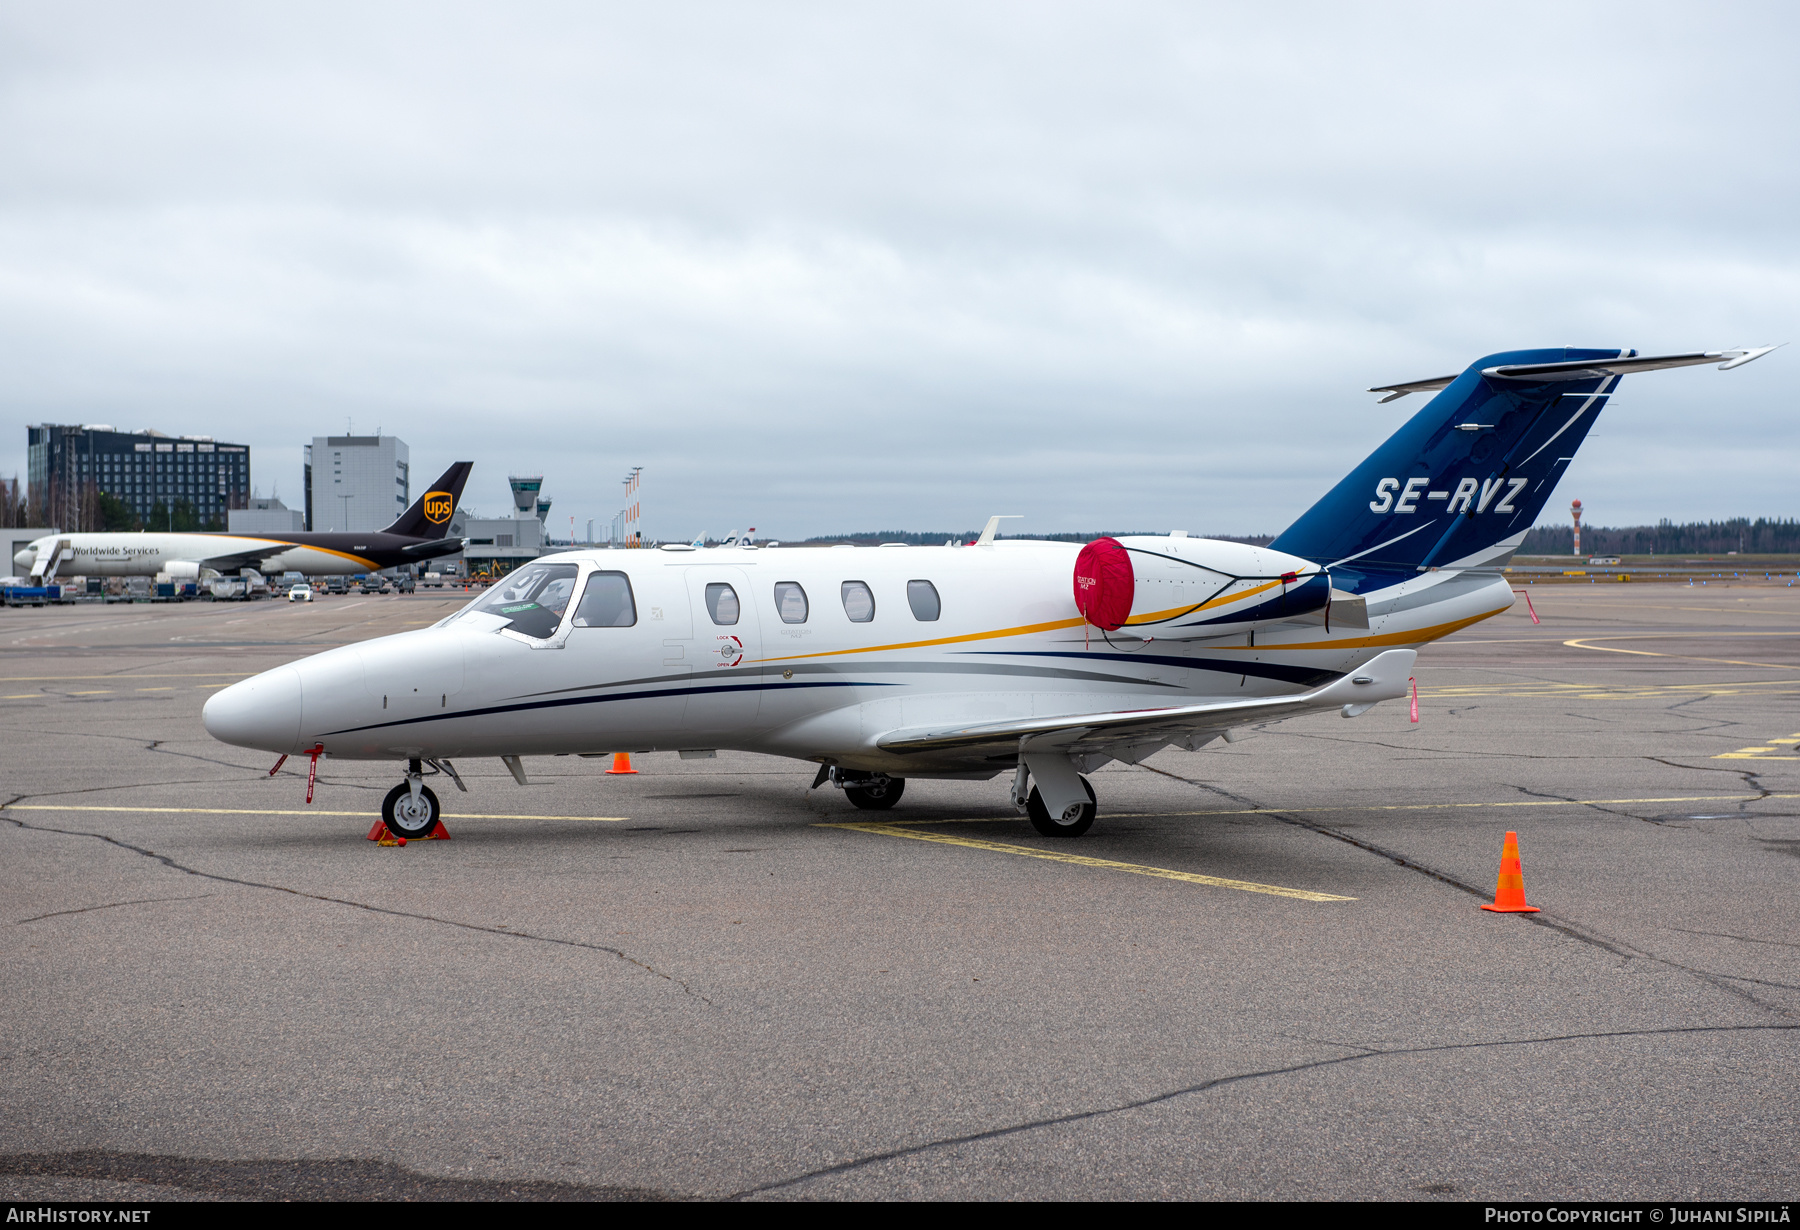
{"points": [[90, 508], [1762, 536]]}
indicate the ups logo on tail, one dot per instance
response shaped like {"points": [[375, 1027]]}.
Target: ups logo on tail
{"points": [[437, 507]]}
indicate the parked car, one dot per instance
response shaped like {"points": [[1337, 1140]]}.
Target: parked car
{"points": [[300, 593]]}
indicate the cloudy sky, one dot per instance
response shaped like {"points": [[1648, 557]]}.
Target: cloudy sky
{"points": [[824, 268]]}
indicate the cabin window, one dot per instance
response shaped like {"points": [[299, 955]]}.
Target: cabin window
{"points": [[722, 604], [790, 602], [859, 603], [922, 597], [606, 602], [532, 599]]}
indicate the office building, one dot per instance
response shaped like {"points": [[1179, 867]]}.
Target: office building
{"points": [[189, 482], [266, 516], [356, 482]]}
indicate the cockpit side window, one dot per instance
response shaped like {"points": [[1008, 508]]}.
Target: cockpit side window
{"points": [[722, 604], [606, 602], [790, 602], [531, 599]]}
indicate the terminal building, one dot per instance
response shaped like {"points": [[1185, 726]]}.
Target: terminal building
{"points": [[266, 516], [185, 482], [497, 545], [356, 482]]}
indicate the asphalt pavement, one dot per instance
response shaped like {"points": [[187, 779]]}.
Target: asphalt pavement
{"points": [[1263, 973]]}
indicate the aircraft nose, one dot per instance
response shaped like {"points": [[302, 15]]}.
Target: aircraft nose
{"points": [[25, 559], [261, 712]]}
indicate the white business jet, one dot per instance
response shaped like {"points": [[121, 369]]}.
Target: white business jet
{"points": [[1040, 660]]}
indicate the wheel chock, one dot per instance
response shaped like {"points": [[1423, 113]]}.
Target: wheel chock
{"points": [[382, 836]]}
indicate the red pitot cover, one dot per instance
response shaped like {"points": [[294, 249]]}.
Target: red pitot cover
{"points": [[1104, 585]]}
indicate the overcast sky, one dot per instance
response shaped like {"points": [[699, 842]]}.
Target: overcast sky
{"points": [[829, 267]]}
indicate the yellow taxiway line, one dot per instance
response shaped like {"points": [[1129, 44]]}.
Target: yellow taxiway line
{"points": [[1584, 643], [126, 678], [1082, 860], [296, 811], [1321, 811]]}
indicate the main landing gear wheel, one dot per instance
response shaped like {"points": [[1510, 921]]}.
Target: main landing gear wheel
{"points": [[407, 817], [1056, 826], [877, 794]]}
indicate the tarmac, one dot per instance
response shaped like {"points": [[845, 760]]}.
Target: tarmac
{"points": [[1263, 974]]}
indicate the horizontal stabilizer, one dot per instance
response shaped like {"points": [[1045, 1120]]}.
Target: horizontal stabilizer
{"points": [[1582, 369], [1383, 678], [1396, 391]]}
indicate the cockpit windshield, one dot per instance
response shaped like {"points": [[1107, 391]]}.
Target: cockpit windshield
{"points": [[531, 599]]}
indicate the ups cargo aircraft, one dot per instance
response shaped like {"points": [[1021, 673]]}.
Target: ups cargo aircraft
{"points": [[416, 536], [1040, 660]]}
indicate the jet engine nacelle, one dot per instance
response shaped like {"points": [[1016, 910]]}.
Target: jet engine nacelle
{"points": [[1193, 588], [182, 570]]}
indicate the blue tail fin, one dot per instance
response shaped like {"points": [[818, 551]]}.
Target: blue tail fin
{"points": [[1466, 476]]}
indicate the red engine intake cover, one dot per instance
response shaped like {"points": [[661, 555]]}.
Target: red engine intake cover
{"points": [[1104, 584]]}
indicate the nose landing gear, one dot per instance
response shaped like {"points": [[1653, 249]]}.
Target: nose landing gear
{"points": [[869, 791], [411, 809]]}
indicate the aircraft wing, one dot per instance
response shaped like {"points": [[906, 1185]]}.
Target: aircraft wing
{"points": [[256, 557], [1383, 678]]}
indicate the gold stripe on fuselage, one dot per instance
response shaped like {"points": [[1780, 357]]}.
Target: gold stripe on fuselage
{"points": [[1024, 630], [1175, 611], [1389, 639]]}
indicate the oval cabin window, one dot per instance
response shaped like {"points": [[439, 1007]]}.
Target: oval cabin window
{"points": [[922, 597], [859, 603], [790, 602], [722, 604]]}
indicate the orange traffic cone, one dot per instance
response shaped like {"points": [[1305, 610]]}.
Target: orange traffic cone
{"points": [[1509, 890], [621, 763]]}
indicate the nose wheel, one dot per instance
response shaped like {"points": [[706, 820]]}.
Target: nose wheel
{"points": [[410, 810], [868, 791]]}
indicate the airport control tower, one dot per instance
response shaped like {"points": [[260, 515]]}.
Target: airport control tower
{"points": [[525, 495]]}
